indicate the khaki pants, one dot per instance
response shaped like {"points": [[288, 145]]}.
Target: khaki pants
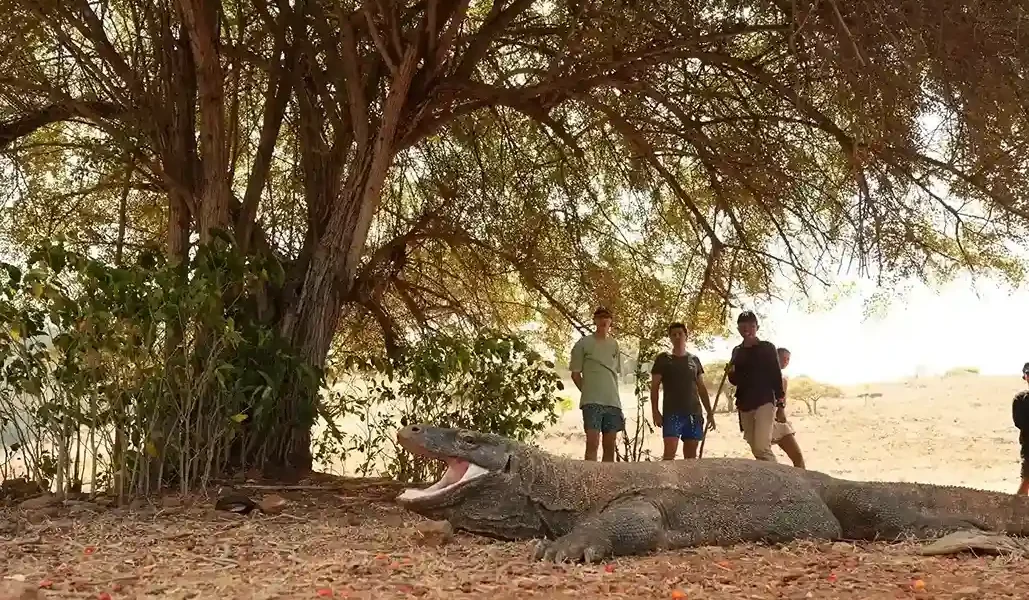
{"points": [[757, 430]]}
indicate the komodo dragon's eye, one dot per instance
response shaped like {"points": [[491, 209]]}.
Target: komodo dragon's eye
{"points": [[466, 438]]}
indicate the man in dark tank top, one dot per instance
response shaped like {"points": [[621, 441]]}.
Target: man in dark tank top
{"points": [[680, 375]]}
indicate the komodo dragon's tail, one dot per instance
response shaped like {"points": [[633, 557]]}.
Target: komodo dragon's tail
{"points": [[870, 509]]}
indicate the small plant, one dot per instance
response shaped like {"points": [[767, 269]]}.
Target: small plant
{"points": [[634, 442]]}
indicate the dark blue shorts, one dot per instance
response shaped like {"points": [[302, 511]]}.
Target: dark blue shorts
{"points": [[684, 427], [602, 418]]}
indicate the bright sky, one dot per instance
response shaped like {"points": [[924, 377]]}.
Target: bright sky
{"points": [[964, 324]]}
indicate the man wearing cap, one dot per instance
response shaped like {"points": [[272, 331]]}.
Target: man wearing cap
{"points": [[1020, 414], [596, 365], [754, 370]]}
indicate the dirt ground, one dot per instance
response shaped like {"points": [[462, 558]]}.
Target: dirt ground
{"points": [[352, 542], [349, 540]]}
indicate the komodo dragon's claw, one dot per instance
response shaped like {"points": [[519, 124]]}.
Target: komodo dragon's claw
{"points": [[540, 550], [568, 549]]}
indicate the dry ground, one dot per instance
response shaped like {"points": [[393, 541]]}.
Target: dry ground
{"points": [[351, 541], [947, 430]]}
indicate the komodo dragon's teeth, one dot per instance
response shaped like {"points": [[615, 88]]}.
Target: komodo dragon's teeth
{"points": [[451, 478]]}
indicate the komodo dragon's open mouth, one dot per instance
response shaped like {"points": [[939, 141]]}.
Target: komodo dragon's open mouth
{"points": [[459, 472]]}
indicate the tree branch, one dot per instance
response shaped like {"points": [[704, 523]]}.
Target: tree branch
{"points": [[28, 124]]}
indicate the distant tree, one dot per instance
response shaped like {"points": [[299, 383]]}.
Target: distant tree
{"points": [[961, 372], [810, 392]]}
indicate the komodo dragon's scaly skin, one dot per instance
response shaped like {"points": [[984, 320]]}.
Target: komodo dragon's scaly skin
{"points": [[589, 510]]}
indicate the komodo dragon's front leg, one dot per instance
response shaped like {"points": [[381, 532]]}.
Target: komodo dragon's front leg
{"points": [[659, 519], [634, 525]]}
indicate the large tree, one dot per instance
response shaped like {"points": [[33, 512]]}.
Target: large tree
{"points": [[425, 163]]}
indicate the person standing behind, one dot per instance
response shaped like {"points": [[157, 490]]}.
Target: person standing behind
{"points": [[596, 365], [680, 374], [754, 370], [783, 433], [1020, 414]]}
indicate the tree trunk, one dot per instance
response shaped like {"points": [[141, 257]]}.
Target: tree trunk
{"points": [[310, 323], [311, 320]]}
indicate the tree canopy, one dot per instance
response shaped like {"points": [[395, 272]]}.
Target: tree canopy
{"points": [[439, 164], [501, 160]]}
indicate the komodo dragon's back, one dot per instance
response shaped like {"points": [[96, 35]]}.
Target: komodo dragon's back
{"points": [[589, 510]]}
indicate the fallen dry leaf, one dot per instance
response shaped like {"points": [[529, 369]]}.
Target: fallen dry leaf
{"points": [[199, 553], [40, 502], [272, 504]]}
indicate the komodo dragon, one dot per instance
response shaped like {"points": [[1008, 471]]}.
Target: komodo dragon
{"points": [[587, 511]]}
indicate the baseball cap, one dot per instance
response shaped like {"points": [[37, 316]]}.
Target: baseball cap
{"points": [[602, 311], [746, 316]]}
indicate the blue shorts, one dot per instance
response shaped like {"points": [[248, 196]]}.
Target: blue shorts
{"points": [[684, 427], [602, 418]]}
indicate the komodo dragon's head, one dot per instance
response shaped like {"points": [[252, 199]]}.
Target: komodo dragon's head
{"points": [[482, 490]]}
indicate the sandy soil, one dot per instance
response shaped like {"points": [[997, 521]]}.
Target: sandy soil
{"points": [[347, 539], [946, 430]]}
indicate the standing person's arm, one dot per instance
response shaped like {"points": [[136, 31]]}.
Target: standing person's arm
{"points": [[1018, 410], [780, 410], [655, 391], [705, 396], [575, 364], [776, 374]]}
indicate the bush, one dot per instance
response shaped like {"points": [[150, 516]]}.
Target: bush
{"points": [[489, 382], [139, 376]]}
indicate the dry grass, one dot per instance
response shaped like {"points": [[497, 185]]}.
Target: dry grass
{"points": [[353, 542]]}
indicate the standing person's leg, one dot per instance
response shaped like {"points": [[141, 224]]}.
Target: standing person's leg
{"points": [[789, 445], [592, 421], [747, 425], [784, 436], [671, 430], [612, 422], [692, 433], [757, 430]]}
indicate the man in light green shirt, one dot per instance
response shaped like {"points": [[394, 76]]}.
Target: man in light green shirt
{"points": [[596, 365]]}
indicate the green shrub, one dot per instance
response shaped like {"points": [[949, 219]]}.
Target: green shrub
{"points": [[142, 375], [487, 382]]}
